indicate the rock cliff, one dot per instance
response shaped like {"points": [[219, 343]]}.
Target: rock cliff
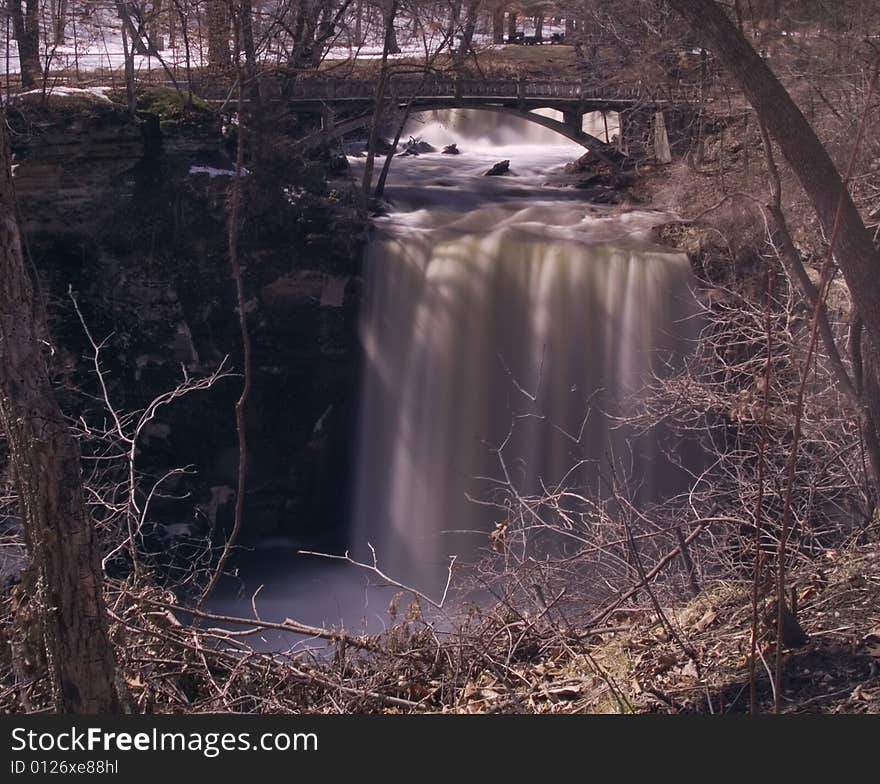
{"points": [[129, 214]]}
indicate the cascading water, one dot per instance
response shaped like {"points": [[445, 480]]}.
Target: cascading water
{"points": [[498, 312]]}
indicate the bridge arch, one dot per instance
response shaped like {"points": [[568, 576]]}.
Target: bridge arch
{"points": [[570, 131]]}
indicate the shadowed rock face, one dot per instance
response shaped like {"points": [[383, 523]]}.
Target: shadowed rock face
{"points": [[72, 156], [130, 214]]}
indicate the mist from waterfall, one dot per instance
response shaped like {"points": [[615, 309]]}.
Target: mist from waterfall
{"points": [[482, 130]]}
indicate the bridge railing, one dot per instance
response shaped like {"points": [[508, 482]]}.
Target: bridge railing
{"points": [[431, 87], [339, 89], [487, 88]]}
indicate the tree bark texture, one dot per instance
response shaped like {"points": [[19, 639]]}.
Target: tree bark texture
{"points": [[45, 459], [26, 29], [219, 19], [498, 25]]}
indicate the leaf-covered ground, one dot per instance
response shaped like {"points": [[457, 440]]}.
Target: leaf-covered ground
{"points": [[700, 662]]}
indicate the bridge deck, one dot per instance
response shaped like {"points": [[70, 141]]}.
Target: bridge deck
{"points": [[338, 90]]}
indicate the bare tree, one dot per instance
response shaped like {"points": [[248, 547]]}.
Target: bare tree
{"points": [[219, 21], [854, 248], [59, 10], [26, 29], [390, 42], [46, 463], [467, 34]]}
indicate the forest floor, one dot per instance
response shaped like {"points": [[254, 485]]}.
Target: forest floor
{"points": [[697, 661]]}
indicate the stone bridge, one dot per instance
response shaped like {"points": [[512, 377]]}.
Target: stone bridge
{"points": [[347, 105]]}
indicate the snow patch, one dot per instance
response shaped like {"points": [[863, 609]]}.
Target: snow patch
{"points": [[90, 93], [211, 171]]}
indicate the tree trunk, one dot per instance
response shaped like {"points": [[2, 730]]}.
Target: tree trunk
{"points": [[327, 29], [312, 53], [367, 182], [59, 21], [391, 45], [184, 33], [154, 28], [454, 20], [128, 56], [359, 24], [467, 34], [26, 29], [135, 32], [854, 249], [246, 24], [218, 19], [46, 463], [172, 28], [498, 25], [299, 32], [511, 26]]}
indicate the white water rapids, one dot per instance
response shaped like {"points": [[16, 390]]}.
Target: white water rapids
{"points": [[497, 310]]}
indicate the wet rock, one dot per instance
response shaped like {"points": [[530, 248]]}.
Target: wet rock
{"points": [[383, 147], [451, 149], [586, 163], [82, 156], [606, 187], [418, 147], [301, 289], [379, 206], [338, 164], [499, 169], [590, 182], [604, 195]]}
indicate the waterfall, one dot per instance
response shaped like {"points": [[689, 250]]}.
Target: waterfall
{"points": [[510, 322], [496, 310]]}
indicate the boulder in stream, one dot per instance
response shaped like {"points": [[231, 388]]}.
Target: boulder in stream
{"points": [[499, 169], [418, 147], [451, 149], [379, 206]]}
